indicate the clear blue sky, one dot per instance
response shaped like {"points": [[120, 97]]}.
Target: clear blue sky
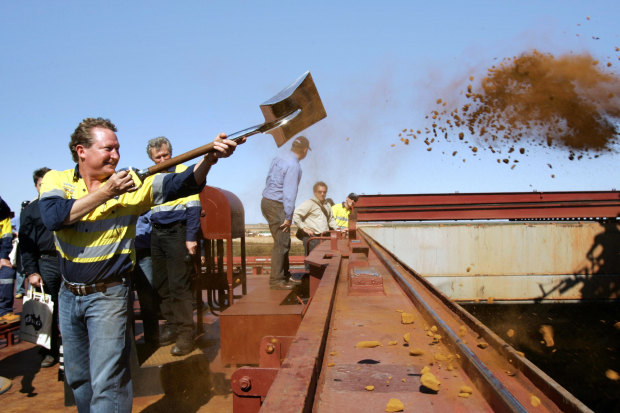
{"points": [[190, 69]]}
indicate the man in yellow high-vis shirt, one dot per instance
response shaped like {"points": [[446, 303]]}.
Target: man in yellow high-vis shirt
{"points": [[93, 211], [342, 211]]}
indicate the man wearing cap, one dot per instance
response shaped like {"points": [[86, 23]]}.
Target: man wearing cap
{"points": [[277, 206], [342, 210]]}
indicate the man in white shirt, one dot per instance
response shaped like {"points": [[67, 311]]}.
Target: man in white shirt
{"points": [[314, 216]]}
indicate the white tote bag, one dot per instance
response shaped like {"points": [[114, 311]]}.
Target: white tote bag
{"points": [[36, 318]]}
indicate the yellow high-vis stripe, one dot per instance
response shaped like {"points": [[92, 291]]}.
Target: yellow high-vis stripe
{"points": [[341, 215], [179, 203], [6, 230], [106, 231]]}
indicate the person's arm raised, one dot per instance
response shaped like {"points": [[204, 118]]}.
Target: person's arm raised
{"points": [[223, 148]]}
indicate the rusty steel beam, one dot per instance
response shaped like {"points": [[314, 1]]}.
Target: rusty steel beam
{"points": [[325, 370], [249, 386], [272, 350], [487, 368], [293, 388], [476, 206]]}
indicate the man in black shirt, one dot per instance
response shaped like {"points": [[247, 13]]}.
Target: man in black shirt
{"points": [[40, 261]]}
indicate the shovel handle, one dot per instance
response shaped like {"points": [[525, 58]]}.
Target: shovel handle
{"points": [[194, 153], [202, 150]]}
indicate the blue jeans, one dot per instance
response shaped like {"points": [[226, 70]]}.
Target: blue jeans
{"points": [[309, 246], [96, 344], [19, 283]]}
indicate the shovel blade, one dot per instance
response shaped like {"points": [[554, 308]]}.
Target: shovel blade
{"points": [[301, 94]]}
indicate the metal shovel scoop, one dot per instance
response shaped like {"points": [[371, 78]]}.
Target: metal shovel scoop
{"points": [[292, 110]]}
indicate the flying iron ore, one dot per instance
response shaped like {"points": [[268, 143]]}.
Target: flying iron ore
{"points": [[570, 102]]}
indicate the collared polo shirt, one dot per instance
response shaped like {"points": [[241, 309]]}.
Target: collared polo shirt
{"points": [[185, 209], [309, 215], [6, 230], [283, 180], [341, 215], [101, 244]]}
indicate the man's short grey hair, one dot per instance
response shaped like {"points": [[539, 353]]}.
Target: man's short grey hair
{"points": [[156, 143], [319, 183]]}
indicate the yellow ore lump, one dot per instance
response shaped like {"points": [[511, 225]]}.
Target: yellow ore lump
{"points": [[429, 381], [406, 318], [547, 334], [416, 351], [394, 405]]}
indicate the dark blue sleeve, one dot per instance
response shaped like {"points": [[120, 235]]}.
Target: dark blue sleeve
{"points": [[181, 184], [5, 211], [54, 211], [193, 223], [6, 238], [143, 231], [6, 245], [28, 247]]}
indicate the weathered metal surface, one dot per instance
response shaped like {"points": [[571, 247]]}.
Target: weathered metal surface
{"points": [[240, 334], [505, 378], [347, 369], [509, 260], [529, 288], [222, 214], [293, 388], [273, 349], [223, 218], [249, 386], [325, 370], [365, 281], [492, 248], [243, 325], [517, 205]]}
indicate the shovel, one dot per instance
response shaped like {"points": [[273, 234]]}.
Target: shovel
{"points": [[292, 110]]}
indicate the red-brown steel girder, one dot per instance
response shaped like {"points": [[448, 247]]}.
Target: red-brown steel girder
{"points": [[474, 206]]}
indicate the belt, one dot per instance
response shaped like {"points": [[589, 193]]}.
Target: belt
{"points": [[87, 289], [168, 225], [49, 254]]}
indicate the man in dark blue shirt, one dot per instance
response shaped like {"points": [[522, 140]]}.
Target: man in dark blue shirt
{"points": [[40, 261], [277, 206]]}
